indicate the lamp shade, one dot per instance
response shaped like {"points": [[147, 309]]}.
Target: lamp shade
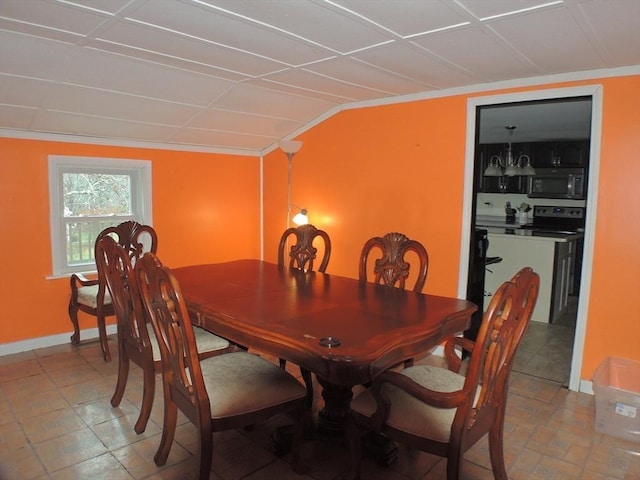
{"points": [[290, 146]]}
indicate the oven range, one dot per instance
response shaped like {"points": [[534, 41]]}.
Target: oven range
{"points": [[562, 220]]}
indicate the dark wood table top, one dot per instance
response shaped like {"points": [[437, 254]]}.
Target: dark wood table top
{"points": [[286, 313]]}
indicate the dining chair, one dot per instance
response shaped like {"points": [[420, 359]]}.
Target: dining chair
{"points": [[90, 295], [301, 256], [224, 392], [136, 340], [440, 411], [303, 252], [391, 267]]}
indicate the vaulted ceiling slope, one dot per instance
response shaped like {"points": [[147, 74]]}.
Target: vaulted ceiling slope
{"points": [[238, 75]]}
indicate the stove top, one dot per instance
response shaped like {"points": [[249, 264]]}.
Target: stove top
{"points": [[557, 219]]}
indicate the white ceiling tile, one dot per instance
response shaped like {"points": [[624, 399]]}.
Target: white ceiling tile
{"points": [[193, 136], [214, 119], [172, 45], [407, 17], [159, 58], [9, 25], [16, 117], [54, 15], [117, 105], [353, 71], [33, 57], [484, 8], [265, 82], [24, 91], [75, 124], [484, 54], [615, 25], [224, 29], [417, 65], [313, 82], [262, 101], [314, 21], [551, 39], [128, 75]]}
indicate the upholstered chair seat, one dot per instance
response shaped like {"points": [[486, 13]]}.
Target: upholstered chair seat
{"points": [[232, 392], [89, 296], [435, 423]]}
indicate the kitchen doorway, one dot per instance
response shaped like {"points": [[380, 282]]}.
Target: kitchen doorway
{"points": [[575, 339]]}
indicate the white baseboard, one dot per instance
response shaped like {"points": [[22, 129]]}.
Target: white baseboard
{"points": [[50, 341], [586, 386]]}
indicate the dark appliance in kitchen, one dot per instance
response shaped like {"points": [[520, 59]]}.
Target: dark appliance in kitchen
{"points": [[558, 183], [550, 219], [478, 262], [563, 221]]}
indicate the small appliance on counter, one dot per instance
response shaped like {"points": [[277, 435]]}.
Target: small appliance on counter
{"points": [[510, 212]]}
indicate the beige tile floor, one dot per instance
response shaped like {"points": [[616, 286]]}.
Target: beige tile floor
{"points": [[56, 423]]}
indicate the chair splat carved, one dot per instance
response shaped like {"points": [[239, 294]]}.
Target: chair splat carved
{"points": [[391, 268]]}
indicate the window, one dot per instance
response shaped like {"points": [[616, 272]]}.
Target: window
{"points": [[86, 196]]}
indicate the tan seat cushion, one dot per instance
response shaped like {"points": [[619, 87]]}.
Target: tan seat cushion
{"points": [[88, 296], [242, 382], [409, 414], [205, 341]]}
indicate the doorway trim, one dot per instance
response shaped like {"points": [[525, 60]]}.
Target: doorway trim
{"points": [[595, 92]]}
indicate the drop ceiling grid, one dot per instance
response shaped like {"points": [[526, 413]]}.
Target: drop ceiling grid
{"points": [[142, 70]]}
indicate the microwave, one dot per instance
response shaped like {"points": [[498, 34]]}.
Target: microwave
{"points": [[557, 183]]}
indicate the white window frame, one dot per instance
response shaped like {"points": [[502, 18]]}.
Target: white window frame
{"points": [[141, 186]]}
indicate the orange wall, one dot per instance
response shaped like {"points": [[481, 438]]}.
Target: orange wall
{"points": [[400, 168], [195, 199], [360, 173]]}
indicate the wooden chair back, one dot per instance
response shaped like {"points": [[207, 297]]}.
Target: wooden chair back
{"points": [[135, 239], [303, 252], [181, 376], [501, 332], [391, 268], [248, 388], [134, 340], [478, 399], [114, 261]]}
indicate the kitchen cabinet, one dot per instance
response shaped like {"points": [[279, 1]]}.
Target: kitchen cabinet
{"points": [[559, 154], [549, 258]]}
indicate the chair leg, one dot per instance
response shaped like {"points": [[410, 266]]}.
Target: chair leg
{"points": [[308, 381], [123, 375], [496, 446], [454, 465], [148, 392], [168, 431], [206, 449], [104, 344], [73, 316]]}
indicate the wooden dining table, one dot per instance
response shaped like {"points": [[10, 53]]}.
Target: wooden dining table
{"points": [[343, 330]]}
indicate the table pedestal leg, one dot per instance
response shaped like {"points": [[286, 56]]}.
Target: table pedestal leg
{"points": [[332, 419], [332, 423]]}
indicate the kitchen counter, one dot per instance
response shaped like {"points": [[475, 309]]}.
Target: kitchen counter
{"points": [[527, 234], [548, 253]]}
